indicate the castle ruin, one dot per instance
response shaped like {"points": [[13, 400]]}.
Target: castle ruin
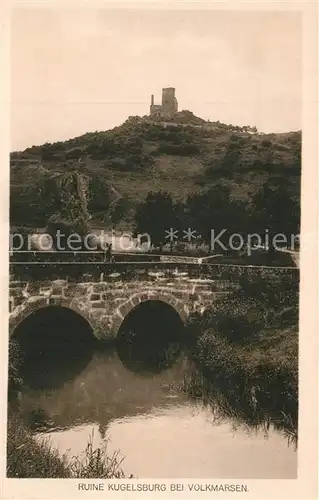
{"points": [[169, 104]]}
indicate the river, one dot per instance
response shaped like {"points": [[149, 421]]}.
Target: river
{"points": [[130, 398]]}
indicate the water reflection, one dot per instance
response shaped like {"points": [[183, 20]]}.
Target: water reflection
{"points": [[145, 357], [244, 402], [104, 390], [148, 398], [148, 417]]}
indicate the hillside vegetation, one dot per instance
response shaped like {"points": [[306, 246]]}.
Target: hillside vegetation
{"points": [[187, 155]]}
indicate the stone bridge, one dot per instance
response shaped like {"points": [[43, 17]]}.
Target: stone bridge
{"points": [[104, 293]]}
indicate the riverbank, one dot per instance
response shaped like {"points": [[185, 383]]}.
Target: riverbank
{"points": [[26, 457], [247, 355], [30, 457]]}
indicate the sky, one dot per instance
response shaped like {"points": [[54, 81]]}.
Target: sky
{"points": [[77, 71]]}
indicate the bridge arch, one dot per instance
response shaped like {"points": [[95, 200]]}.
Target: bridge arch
{"points": [[142, 297], [36, 305]]}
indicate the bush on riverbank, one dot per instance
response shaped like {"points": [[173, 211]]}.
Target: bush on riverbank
{"points": [[29, 457], [247, 347], [253, 388], [254, 310]]}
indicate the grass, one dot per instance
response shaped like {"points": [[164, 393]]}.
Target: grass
{"points": [[245, 401], [96, 463], [246, 356], [29, 457]]}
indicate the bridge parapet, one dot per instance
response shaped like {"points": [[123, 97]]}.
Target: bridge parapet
{"points": [[53, 265]]}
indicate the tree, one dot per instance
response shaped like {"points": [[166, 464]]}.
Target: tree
{"points": [[275, 209], [155, 216], [214, 210], [118, 210], [99, 195]]}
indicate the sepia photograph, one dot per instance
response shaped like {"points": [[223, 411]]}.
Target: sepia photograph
{"points": [[154, 250]]}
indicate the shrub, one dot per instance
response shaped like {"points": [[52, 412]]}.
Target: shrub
{"points": [[15, 360], [186, 149]]}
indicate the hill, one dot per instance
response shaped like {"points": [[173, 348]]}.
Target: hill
{"points": [[183, 155]]}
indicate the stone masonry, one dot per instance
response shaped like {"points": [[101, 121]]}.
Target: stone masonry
{"points": [[104, 295]]}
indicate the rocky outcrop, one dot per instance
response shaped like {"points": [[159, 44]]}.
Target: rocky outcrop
{"points": [[70, 193]]}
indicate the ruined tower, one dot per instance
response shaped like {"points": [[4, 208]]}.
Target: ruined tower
{"points": [[169, 104], [155, 109], [169, 101]]}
